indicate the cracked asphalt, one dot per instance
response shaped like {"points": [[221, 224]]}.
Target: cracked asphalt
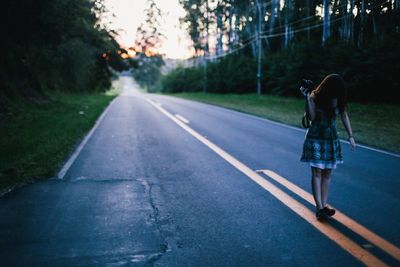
{"points": [[143, 192]]}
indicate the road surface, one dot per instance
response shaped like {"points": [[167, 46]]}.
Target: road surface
{"points": [[162, 181]]}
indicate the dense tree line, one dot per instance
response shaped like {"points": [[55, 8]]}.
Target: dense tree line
{"points": [[51, 45], [296, 38]]}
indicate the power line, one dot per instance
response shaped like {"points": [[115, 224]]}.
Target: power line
{"points": [[273, 29], [295, 30], [306, 18], [314, 26]]}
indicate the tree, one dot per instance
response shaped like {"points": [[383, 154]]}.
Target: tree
{"points": [[362, 23], [301, 37], [55, 45], [147, 44]]}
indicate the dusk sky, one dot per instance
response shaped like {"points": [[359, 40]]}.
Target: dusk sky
{"points": [[129, 14]]}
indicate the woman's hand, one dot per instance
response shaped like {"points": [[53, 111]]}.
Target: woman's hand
{"points": [[352, 143], [347, 126], [304, 91]]}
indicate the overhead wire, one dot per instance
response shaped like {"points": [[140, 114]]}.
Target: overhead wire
{"points": [[255, 37], [302, 19], [245, 42], [314, 26]]}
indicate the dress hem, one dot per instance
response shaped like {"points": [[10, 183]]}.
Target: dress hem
{"points": [[323, 165]]}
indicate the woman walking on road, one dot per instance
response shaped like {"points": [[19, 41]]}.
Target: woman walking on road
{"points": [[321, 148]]}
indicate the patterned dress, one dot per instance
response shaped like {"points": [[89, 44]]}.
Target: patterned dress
{"points": [[321, 146]]}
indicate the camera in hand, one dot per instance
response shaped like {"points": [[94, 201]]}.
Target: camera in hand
{"points": [[306, 86]]}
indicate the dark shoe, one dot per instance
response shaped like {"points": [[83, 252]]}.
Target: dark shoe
{"points": [[321, 216], [328, 211]]}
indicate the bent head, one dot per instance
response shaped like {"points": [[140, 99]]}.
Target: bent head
{"points": [[332, 87]]}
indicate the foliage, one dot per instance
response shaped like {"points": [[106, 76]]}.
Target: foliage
{"points": [[54, 45], [148, 36], [231, 74], [358, 39], [370, 72], [148, 70], [148, 40], [182, 80]]}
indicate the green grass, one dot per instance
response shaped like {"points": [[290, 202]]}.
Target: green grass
{"points": [[36, 139], [375, 125]]}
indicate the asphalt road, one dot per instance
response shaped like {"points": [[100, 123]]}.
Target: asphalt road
{"points": [[163, 181]]}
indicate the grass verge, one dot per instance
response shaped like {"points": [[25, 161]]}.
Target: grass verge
{"points": [[374, 125], [37, 138]]}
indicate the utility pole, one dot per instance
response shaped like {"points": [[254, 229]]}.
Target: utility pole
{"points": [[259, 49], [205, 74]]}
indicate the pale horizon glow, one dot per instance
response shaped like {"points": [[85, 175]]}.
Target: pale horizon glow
{"points": [[129, 14]]}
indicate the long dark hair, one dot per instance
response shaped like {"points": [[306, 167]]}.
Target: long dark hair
{"points": [[331, 87]]}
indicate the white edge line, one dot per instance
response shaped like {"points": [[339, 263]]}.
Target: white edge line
{"points": [[304, 130], [287, 126], [78, 150], [182, 118]]}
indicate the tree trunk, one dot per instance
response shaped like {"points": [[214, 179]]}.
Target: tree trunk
{"points": [[362, 24], [397, 10], [375, 20], [207, 51], [289, 8], [287, 30], [219, 30], [327, 22], [259, 46], [272, 16], [351, 23], [207, 47], [250, 34], [230, 31], [261, 25], [236, 31], [309, 13], [344, 21]]}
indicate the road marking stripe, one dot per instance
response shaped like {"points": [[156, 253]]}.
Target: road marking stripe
{"points": [[326, 229], [78, 150], [397, 155], [182, 118], [340, 217]]}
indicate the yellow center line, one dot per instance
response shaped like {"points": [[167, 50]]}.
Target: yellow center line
{"points": [[340, 217], [340, 239]]}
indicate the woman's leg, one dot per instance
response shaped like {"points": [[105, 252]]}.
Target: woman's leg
{"points": [[316, 186], [325, 183]]}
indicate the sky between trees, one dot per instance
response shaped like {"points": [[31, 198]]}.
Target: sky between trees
{"points": [[129, 14]]}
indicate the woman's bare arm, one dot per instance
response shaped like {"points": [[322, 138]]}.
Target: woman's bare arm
{"points": [[347, 125], [311, 107]]}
